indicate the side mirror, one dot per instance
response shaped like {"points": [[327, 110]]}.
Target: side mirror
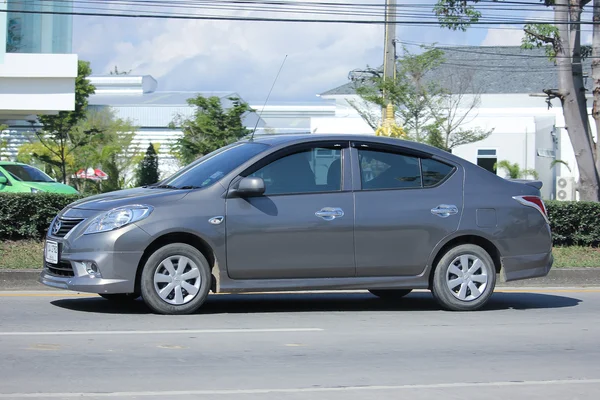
{"points": [[3, 180], [251, 186]]}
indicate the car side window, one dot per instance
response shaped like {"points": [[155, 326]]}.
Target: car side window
{"points": [[308, 171], [434, 171], [385, 170]]}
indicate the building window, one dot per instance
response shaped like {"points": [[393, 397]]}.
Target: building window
{"points": [[28, 32], [487, 159]]}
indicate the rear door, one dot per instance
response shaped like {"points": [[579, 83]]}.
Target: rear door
{"points": [[406, 203], [303, 226]]}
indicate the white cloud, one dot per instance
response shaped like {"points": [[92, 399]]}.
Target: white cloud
{"points": [[503, 37], [242, 56]]}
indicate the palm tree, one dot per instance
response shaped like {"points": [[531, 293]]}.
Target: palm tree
{"points": [[514, 170]]}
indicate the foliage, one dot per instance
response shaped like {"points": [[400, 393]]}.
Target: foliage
{"points": [[56, 134], [574, 223], [109, 149], [514, 171], [147, 172], [427, 111], [210, 128], [537, 36], [3, 142], [28, 215]]}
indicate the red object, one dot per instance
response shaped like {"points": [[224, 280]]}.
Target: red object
{"points": [[91, 173]]}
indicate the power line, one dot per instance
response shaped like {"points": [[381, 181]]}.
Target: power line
{"points": [[146, 15]]}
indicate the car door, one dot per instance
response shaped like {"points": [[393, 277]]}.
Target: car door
{"points": [[302, 227], [406, 203], [6, 187]]}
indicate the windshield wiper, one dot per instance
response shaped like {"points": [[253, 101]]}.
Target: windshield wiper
{"points": [[161, 187], [190, 187]]}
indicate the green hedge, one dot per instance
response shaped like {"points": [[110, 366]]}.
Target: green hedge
{"points": [[574, 223], [28, 215]]}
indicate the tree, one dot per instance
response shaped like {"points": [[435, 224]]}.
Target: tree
{"points": [[210, 128], [56, 135], [428, 111], [455, 108], [3, 142], [109, 148], [147, 172], [562, 42], [514, 171]]}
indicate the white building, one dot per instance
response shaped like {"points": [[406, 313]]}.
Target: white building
{"points": [[37, 71], [510, 81], [135, 98]]}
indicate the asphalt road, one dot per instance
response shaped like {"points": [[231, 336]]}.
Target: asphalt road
{"points": [[542, 344]]}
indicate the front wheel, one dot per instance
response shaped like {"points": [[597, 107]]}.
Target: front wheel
{"points": [[464, 278], [176, 279]]}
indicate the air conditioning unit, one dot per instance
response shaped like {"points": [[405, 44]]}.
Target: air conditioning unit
{"points": [[565, 188]]}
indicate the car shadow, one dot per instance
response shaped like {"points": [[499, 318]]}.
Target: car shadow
{"points": [[321, 302]]}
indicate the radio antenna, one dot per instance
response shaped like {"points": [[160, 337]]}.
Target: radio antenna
{"points": [[268, 95]]}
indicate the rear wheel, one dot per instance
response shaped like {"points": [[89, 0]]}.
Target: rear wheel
{"points": [[120, 297], [464, 278], [390, 294], [176, 279]]}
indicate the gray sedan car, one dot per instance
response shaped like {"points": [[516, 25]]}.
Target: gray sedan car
{"points": [[305, 212]]}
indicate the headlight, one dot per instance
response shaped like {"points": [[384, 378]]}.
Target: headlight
{"points": [[34, 190], [118, 218]]}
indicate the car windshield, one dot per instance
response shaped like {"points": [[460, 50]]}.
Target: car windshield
{"points": [[212, 167], [27, 173]]}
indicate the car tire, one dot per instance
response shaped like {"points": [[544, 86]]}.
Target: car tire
{"points": [[458, 290], [166, 271], [390, 294], [120, 297]]}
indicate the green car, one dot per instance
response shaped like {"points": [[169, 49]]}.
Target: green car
{"points": [[23, 178]]}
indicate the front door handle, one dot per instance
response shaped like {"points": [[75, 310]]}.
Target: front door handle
{"points": [[444, 210], [330, 213]]}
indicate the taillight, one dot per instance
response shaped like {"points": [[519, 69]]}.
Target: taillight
{"points": [[535, 202]]}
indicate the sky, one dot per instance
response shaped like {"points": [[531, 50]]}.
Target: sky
{"points": [[244, 56]]}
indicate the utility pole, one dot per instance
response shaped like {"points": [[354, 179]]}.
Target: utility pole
{"points": [[389, 58]]}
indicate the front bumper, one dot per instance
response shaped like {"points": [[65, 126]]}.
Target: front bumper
{"points": [[526, 267], [118, 273]]}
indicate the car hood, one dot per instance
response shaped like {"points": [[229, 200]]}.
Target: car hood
{"points": [[107, 201], [51, 187]]}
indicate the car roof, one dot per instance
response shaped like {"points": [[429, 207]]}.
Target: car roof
{"points": [[11, 163], [283, 139]]}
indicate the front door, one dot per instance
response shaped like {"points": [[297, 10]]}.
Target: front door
{"points": [[303, 226], [405, 205]]}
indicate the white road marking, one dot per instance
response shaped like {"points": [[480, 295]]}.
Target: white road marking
{"points": [[168, 332], [164, 394]]}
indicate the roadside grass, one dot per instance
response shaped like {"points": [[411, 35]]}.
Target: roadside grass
{"points": [[21, 254], [28, 254]]}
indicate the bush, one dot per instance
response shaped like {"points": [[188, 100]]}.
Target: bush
{"points": [[28, 215], [574, 223]]}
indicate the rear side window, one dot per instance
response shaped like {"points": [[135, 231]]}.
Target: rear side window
{"points": [[434, 171], [383, 170]]}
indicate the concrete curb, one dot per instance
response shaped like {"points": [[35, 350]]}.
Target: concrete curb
{"points": [[558, 277]]}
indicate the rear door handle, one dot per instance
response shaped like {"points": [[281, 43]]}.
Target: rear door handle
{"points": [[444, 210], [330, 213]]}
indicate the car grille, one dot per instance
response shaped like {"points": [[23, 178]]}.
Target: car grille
{"points": [[66, 225], [63, 268]]}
